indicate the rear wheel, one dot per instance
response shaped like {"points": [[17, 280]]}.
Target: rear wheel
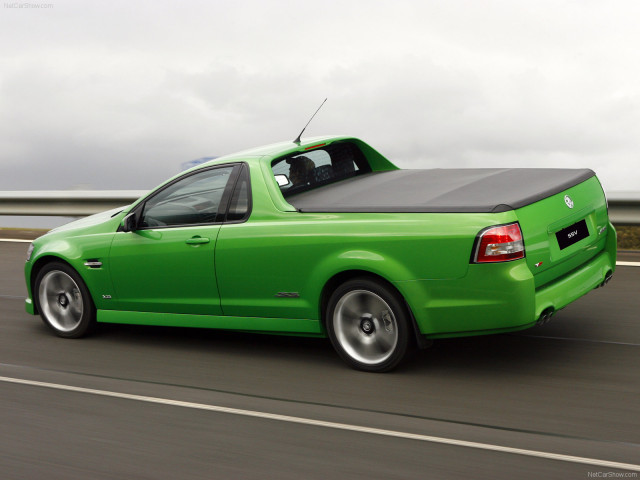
{"points": [[64, 302], [368, 325]]}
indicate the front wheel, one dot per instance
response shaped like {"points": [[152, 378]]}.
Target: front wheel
{"points": [[368, 325], [64, 301]]}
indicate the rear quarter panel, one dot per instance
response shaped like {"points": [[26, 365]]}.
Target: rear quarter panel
{"points": [[299, 253], [280, 250]]}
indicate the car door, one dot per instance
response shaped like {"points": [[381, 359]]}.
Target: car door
{"points": [[167, 263]]}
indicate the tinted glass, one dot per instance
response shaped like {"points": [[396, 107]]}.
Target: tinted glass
{"points": [[320, 166], [190, 201], [239, 206]]}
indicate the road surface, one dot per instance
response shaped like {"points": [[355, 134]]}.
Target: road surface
{"points": [[558, 401]]}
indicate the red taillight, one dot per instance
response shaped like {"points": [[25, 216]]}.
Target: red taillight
{"points": [[499, 244]]}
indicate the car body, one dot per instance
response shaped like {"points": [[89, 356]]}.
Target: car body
{"points": [[350, 247]]}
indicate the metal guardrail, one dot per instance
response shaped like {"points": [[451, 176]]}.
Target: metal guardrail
{"points": [[624, 207], [62, 203]]}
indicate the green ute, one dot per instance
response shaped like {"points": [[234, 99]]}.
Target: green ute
{"points": [[327, 237]]}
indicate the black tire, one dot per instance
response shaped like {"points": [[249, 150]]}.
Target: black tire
{"points": [[64, 301], [368, 325]]}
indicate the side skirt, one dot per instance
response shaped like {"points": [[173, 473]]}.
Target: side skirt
{"points": [[255, 324]]}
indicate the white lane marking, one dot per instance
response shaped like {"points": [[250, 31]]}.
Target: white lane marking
{"points": [[333, 425], [628, 264], [577, 339], [18, 240]]}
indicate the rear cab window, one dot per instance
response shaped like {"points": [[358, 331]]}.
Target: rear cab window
{"points": [[303, 171]]}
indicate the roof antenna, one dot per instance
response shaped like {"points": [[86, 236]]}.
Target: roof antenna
{"points": [[297, 140]]}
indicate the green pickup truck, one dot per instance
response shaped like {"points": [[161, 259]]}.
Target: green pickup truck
{"points": [[326, 237]]}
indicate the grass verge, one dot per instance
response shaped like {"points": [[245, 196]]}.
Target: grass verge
{"points": [[628, 237]]}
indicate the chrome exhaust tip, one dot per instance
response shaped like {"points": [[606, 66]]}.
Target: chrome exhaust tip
{"points": [[607, 278], [545, 316]]}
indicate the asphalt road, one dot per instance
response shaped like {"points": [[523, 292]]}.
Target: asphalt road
{"points": [[146, 402]]}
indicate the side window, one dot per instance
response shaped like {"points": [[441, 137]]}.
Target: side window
{"points": [[300, 172], [240, 201], [192, 200]]}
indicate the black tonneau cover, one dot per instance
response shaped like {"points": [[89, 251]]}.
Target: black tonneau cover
{"points": [[489, 190]]}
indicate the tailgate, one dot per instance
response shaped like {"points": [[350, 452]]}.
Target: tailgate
{"points": [[564, 231]]}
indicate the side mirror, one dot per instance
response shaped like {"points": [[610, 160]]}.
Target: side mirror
{"points": [[282, 180], [129, 223]]}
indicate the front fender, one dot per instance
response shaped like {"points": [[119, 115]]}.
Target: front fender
{"points": [[74, 251]]}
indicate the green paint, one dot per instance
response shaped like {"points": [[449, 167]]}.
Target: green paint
{"points": [[162, 276], [265, 325]]}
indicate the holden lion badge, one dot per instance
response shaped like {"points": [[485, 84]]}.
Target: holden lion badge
{"points": [[568, 201]]}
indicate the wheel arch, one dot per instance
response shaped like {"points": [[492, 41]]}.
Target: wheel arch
{"points": [[37, 267], [339, 278]]}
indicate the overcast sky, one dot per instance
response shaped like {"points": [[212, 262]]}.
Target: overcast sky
{"points": [[117, 94]]}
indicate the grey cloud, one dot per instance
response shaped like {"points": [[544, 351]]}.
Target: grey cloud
{"points": [[118, 94]]}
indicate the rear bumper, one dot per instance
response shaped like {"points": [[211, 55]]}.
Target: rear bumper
{"points": [[575, 284], [501, 297]]}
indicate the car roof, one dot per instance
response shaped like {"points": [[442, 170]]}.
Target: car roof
{"points": [[263, 156], [267, 153]]}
